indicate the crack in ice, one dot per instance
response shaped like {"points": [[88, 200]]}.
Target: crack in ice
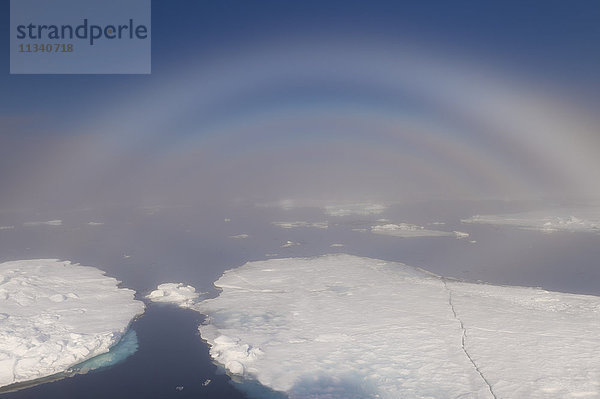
{"points": [[463, 338], [405, 340]]}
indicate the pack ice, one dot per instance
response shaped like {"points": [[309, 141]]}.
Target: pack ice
{"points": [[406, 230], [55, 314], [341, 326], [571, 220]]}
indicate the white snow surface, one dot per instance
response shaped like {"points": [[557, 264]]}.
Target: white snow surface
{"points": [[341, 326], [95, 223], [55, 314], [177, 293], [292, 225], [572, 220], [362, 208], [56, 222], [406, 230]]}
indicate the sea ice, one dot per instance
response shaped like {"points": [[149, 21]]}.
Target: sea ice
{"points": [[341, 326], [177, 293], [54, 315], [126, 347], [363, 209], [406, 230], [292, 225], [341, 208], [95, 223], [56, 222], [586, 220]]}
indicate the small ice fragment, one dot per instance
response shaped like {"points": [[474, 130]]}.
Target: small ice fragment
{"points": [[407, 230], [292, 225], [178, 293], [56, 222]]}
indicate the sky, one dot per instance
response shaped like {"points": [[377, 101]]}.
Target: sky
{"points": [[330, 100]]}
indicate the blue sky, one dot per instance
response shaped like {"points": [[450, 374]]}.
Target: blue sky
{"points": [[333, 69], [554, 39]]}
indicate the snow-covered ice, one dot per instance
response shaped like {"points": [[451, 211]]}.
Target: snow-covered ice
{"points": [[342, 326], [292, 225], [56, 222], [95, 223], [337, 208], [55, 314], [573, 220], [176, 293], [406, 230], [363, 209], [461, 234]]}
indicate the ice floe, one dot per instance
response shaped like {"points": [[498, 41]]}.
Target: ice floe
{"points": [[55, 314], [240, 236], [176, 293], [7, 227], [56, 222], [363, 209], [339, 208], [289, 244], [293, 225], [95, 223], [406, 230], [460, 234], [546, 221], [341, 326]]}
